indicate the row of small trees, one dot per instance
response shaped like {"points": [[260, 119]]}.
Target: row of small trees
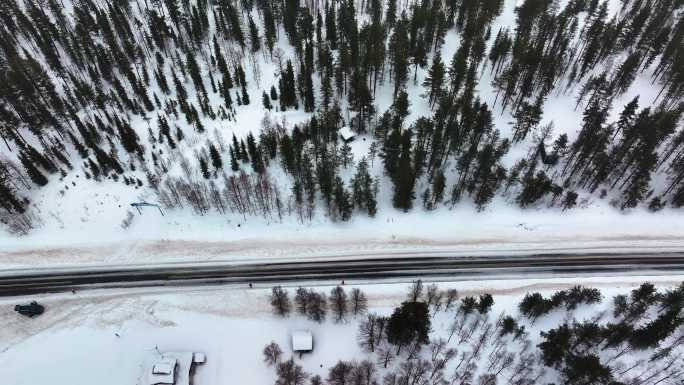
{"points": [[315, 306]]}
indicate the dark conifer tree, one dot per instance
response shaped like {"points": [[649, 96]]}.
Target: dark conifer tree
{"points": [[233, 158], [288, 89], [266, 101], [216, 160], [342, 200], [404, 182], [245, 95], [33, 172], [527, 116], [399, 54], [254, 38], [195, 75], [204, 168], [270, 29], [330, 25], [128, 136], [434, 79], [364, 189], [255, 154]]}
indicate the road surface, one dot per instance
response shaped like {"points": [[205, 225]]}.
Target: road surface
{"points": [[14, 283]]}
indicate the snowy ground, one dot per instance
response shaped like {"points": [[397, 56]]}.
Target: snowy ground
{"points": [[85, 226], [179, 237], [230, 324]]}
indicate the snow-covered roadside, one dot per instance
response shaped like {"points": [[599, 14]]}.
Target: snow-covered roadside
{"points": [[230, 324], [178, 237]]}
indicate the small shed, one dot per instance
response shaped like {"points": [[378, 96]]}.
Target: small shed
{"points": [[163, 372], [302, 341], [346, 134], [171, 368], [199, 358]]}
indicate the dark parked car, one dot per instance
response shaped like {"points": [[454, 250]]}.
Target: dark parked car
{"points": [[31, 310]]}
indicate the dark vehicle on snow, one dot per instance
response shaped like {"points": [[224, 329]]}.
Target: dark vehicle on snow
{"points": [[30, 310]]}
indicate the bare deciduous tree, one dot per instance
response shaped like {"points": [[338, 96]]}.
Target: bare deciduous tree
{"points": [[450, 299], [301, 300], [523, 371], [440, 356], [466, 333], [280, 301], [338, 303], [316, 380], [290, 373], [487, 379], [385, 355], [368, 333], [389, 379], [363, 373], [338, 374], [416, 291], [414, 372], [317, 306], [359, 302], [272, 353], [430, 294]]}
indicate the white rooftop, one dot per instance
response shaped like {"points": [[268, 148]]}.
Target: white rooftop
{"points": [[302, 341], [198, 358], [163, 367], [170, 368], [346, 133], [163, 372]]}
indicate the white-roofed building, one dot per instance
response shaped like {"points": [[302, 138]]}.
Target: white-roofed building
{"points": [[163, 372], [198, 358], [346, 134], [171, 368], [302, 341]]}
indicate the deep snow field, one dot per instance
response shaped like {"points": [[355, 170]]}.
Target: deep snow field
{"points": [[231, 325]]}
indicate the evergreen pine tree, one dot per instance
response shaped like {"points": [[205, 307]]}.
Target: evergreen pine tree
{"points": [[398, 51], [216, 160], [346, 155], [342, 200], [254, 38], [266, 101], [527, 116], [245, 95], [204, 168], [270, 29], [364, 189], [33, 172], [404, 181], [255, 154], [434, 79], [233, 158]]}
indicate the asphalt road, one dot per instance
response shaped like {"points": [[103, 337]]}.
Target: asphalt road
{"points": [[50, 281]]}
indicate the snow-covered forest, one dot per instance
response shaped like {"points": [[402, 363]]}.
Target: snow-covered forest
{"points": [[242, 108], [438, 337]]}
